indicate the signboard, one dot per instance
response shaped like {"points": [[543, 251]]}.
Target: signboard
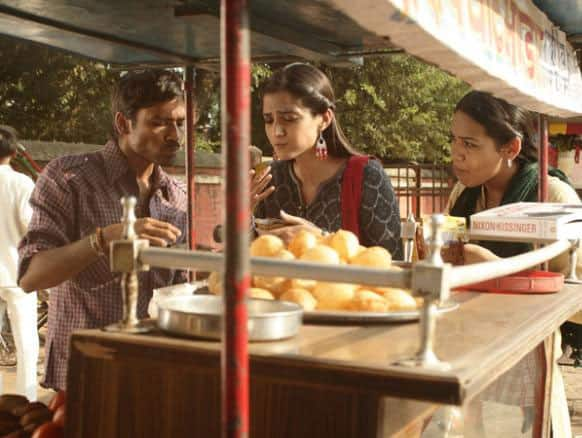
{"points": [[507, 47], [557, 128]]}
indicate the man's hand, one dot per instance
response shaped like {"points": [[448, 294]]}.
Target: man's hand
{"points": [[295, 224], [53, 266], [260, 188], [159, 233]]}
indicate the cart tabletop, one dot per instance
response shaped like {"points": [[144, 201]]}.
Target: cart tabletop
{"points": [[483, 338]]}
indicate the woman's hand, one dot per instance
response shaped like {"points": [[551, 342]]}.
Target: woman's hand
{"points": [[476, 254], [294, 225], [260, 188]]}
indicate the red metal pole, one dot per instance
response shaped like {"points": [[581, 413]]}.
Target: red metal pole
{"points": [[543, 158], [235, 85], [190, 147]]}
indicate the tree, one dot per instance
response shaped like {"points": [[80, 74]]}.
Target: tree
{"points": [[47, 94], [394, 107], [397, 107]]}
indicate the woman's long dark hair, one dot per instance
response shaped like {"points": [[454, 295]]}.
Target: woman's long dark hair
{"points": [[502, 121], [313, 88]]}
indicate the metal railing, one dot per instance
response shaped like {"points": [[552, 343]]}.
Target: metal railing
{"points": [[422, 188]]}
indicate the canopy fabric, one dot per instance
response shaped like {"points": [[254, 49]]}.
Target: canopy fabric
{"points": [[565, 128], [186, 32], [567, 15], [508, 47]]}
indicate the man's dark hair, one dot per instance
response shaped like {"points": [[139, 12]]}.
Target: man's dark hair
{"points": [[8, 141], [143, 89]]}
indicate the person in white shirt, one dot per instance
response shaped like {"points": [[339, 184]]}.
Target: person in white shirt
{"points": [[15, 191]]}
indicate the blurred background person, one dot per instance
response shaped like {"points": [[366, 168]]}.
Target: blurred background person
{"points": [[15, 191]]}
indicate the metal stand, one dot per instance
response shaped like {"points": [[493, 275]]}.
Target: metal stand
{"points": [[573, 258], [124, 259], [408, 234], [430, 281]]}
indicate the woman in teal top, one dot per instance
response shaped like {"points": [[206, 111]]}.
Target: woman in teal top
{"points": [[495, 159]]}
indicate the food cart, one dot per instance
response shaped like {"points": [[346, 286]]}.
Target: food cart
{"points": [[328, 380]]}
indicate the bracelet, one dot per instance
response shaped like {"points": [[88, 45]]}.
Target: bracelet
{"points": [[95, 243], [101, 239]]}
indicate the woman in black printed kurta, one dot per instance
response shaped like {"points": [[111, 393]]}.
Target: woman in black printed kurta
{"points": [[299, 112]]}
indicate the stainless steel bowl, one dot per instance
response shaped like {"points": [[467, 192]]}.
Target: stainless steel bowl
{"points": [[200, 316]]}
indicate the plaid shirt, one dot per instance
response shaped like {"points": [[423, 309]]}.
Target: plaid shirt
{"points": [[73, 196]]}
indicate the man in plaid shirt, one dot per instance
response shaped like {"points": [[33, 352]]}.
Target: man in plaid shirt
{"points": [[77, 210]]}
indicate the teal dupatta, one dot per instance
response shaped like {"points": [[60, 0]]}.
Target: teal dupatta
{"points": [[523, 187]]}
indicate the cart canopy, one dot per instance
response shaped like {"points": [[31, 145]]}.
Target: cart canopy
{"points": [[508, 47]]}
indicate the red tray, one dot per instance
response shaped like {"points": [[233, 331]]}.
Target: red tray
{"points": [[525, 282]]}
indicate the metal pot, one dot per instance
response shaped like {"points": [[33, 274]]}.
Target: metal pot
{"points": [[200, 316]]}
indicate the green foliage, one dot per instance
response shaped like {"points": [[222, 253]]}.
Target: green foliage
{"points": [[259, 73], [394, 107], [564, 142], [207, 92], [204, 144], [46, 94]]}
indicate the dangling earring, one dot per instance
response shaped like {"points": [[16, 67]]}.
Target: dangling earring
{"points": [[509, 163], [321, 148]]}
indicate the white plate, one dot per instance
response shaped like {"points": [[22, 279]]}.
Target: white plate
{"points": [[339, 316]]}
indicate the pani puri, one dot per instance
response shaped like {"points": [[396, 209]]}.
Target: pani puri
{"points": [[302, 241], [300, 283], [368, 301], [334, 296], [277, 285], [345, 243], [300, 296], [373, 257], [358, 252], [399, 299], [215, 283], [321, 254], [266, 245], [257, 292], [326, 240]]}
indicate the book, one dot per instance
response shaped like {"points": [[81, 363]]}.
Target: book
{"points": [[528, 221]]}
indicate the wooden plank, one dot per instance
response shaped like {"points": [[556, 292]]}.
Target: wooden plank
{"points": [[333, 378], [542, 424], [150, 395], [481, 340]]}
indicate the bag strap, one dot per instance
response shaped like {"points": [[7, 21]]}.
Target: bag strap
{"points": [[352, 193]]}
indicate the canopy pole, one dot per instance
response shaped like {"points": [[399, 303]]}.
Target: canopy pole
{"points": [[190, 148], [235, 86], [543, 158]]}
